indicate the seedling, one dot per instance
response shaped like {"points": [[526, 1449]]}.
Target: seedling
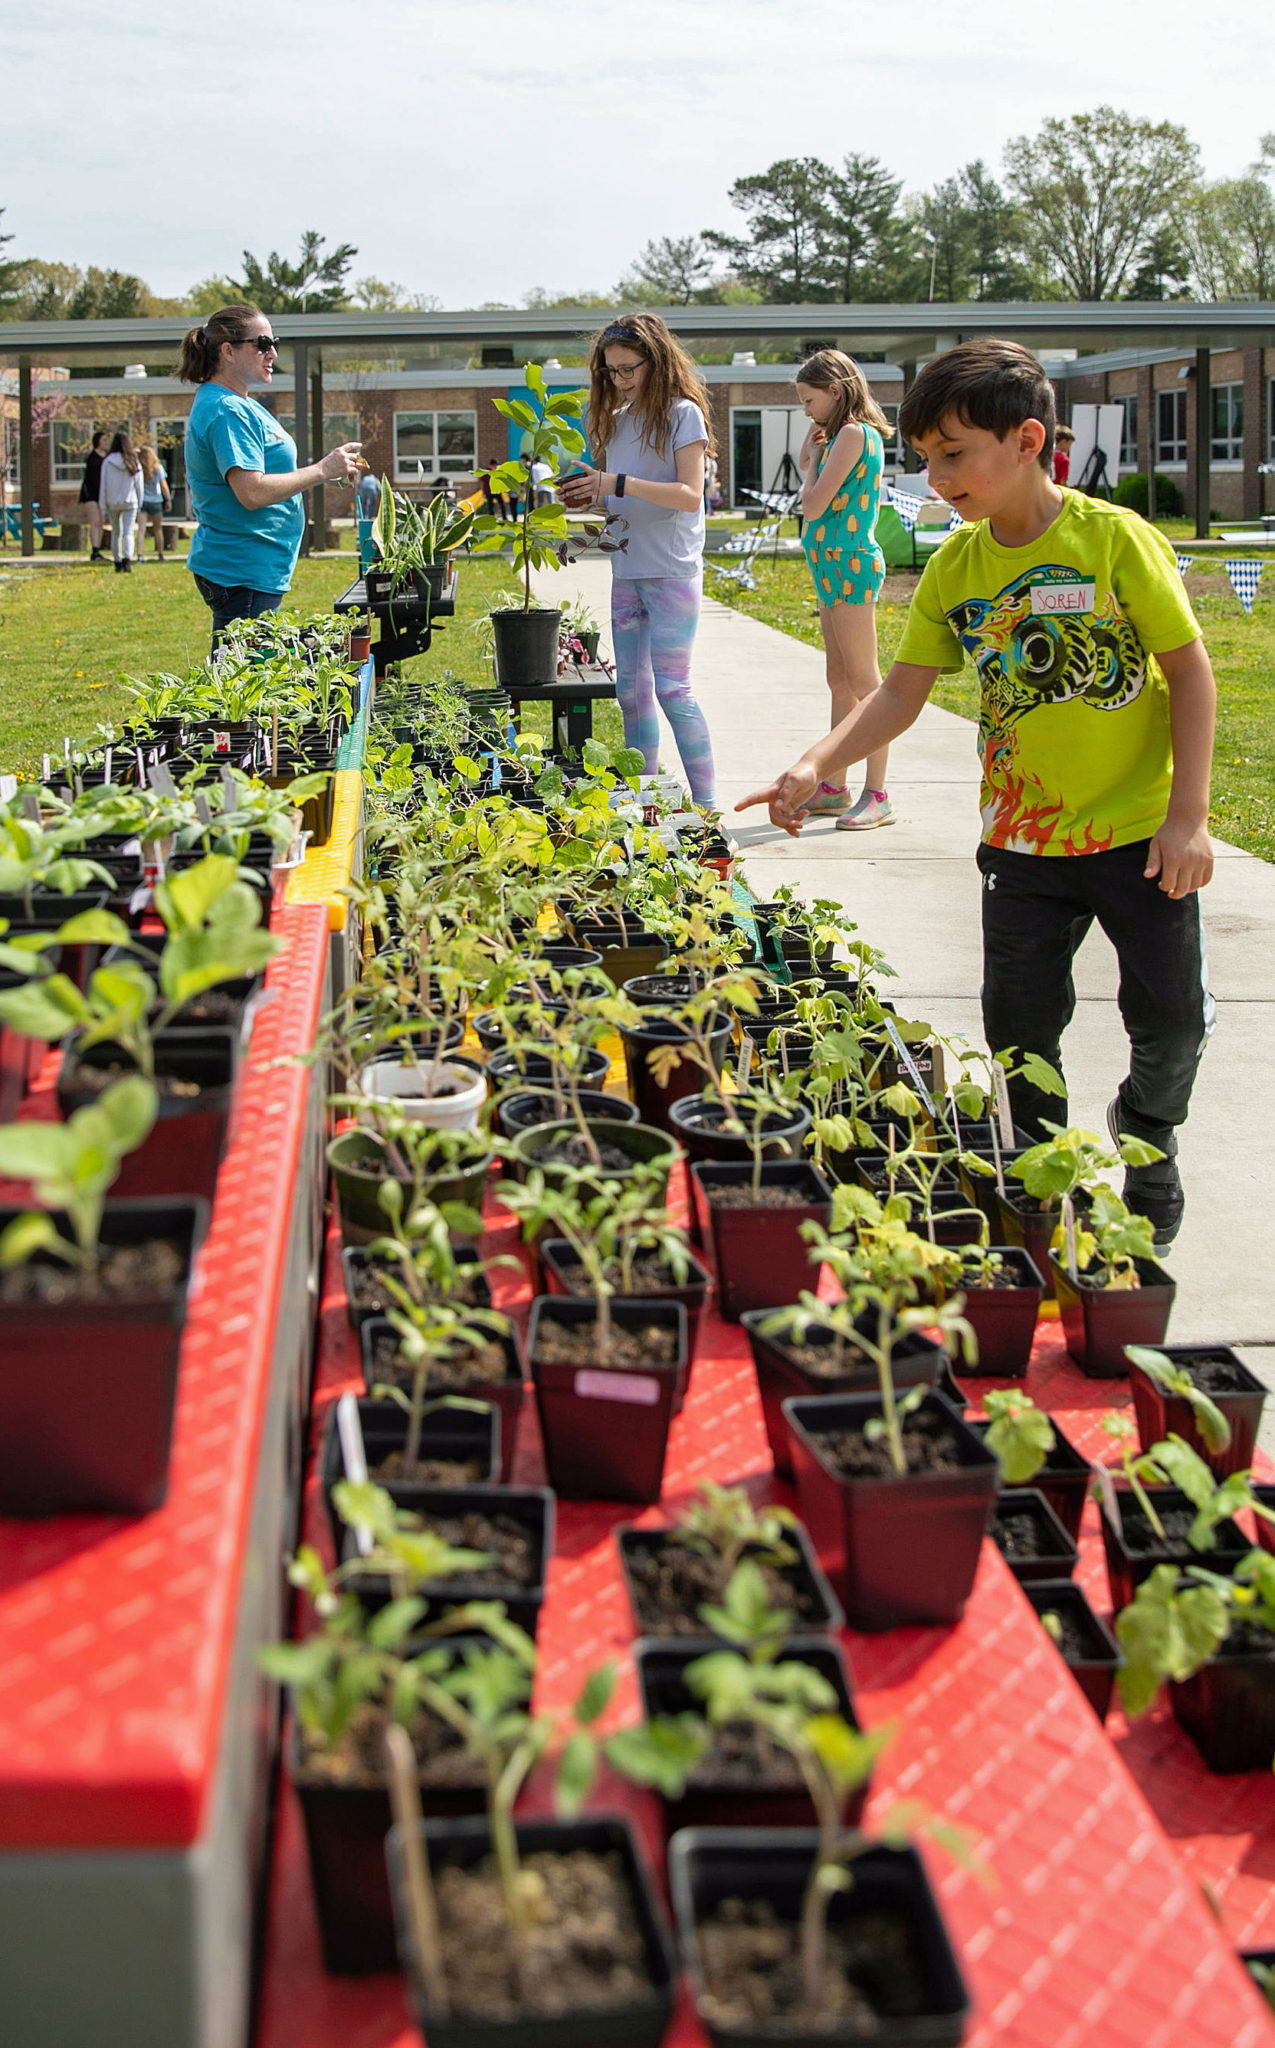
{"points": [[722, 1523], [429, 1332], [579, 1211], [1215, 1430], [1112, 1238], [1173, 1625], [72, 1166], [747, 1617], [1021, 1435]]}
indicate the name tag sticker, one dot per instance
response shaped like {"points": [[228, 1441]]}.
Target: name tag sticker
{"points": [[1051, 598], [638, 1389]]}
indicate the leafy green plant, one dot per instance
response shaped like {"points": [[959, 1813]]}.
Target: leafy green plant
{"points": [[1110, 1239], [1073, 1159], [407, 537], [1174, 1380], [72, 1166], [722, 1523], [1176, 1622], [540, 536], [1021, 1434]]}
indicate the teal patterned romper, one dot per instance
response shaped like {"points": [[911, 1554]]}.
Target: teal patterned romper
{"points": [[841, 548]]}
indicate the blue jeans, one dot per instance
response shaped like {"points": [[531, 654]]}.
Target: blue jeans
{"points": [[229, 602]]}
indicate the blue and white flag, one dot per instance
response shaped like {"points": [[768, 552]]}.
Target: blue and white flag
{"points": [[1184, 563], [954, 520], [1245, 577], [907, 506]]}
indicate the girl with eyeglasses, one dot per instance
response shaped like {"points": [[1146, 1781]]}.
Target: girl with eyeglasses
{"points": [[648, 417], [241, 470]]}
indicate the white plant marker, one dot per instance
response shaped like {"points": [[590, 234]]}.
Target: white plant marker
{"points": [[353, 1456]]}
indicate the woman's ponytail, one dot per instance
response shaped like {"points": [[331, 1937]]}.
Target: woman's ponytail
{"points": [[201, 348]]}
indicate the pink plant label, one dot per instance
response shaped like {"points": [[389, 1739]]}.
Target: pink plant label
{"points": [[639, 1389]]}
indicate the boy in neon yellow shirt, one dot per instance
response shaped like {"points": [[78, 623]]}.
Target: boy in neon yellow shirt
{"points": [[1096, 733]]}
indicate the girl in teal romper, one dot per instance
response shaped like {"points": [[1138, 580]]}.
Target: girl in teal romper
{"points": [[842, 459]]}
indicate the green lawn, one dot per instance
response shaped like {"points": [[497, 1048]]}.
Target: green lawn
{"points": [[1242, 648]]}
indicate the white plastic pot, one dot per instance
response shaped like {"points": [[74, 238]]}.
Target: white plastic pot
{"points": [[403, 1082]]}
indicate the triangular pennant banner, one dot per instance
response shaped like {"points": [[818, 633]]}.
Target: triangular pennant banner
{"points": [[1245, 577], [1184, 563]]}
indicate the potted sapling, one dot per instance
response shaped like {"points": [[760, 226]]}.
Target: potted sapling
{"points": [[605, 1368], [1203, 1393], [430, 1250], [1069, 1162], [433, 1165], [349, 1678], [1112, 1291], [1166, 1507], [423, 1082], [412, 545], [606, 1147], [869, 1464], [1003, 1290], [673, 1576], [752, 1213], [539, 1933], [675, 1045], [832, 1936], [1211, 1638], [506, 1533], [1081, 1638], [95, 1297], [1032, 1450]]}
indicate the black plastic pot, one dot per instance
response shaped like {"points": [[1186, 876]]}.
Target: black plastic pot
{"points": [[626, 946], [772, 1866], [562, 956], [717, 1796], [696, 1123], [510, 1068], [641, 2024], [452, 1433], [640, 1144], [557, 1260], [605, 1428], [760, 1255], [525, 1109], [780, 1378], [900, 1550], [816, 1605], [532, 1506], [1098, 1322], [1095, 1669], [1228, 1709], [1127, 1568], [353, 1154], [654, 1097], [1023, 1222], [1003, 1318], [1158, 1413], [356, 1262], [493, 1031], [657, 991], [526, 647], [183, 1150], [1058, 1556], [87, 1390], [505, 1394], [1063, 1478]]}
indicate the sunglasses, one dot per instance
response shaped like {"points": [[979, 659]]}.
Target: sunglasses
{"points": [[264, 343]]}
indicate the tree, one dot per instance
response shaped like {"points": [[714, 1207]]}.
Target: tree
{"points": [[314, 284], [376, 295], [944, 220], [786, 208], [1228, 232], [1164, 268], [12, 276], [62, 291], [997, 270], [1094, 189], [673, 270], [859, 203]]}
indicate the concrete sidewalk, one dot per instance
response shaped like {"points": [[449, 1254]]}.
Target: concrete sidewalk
{"points": [[913, 889]]}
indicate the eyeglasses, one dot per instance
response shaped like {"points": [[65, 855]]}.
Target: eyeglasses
{"points": [[624, 369], [264, 344]]}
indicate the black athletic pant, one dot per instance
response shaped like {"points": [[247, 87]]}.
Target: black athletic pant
{"points": [[1036, 911]]}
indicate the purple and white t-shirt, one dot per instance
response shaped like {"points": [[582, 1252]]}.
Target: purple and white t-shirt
{"points": [[661, 542]]}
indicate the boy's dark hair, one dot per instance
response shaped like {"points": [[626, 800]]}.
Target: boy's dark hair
{"points": [[991, 384]]}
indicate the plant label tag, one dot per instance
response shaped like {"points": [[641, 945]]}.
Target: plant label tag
{"points": [[1049, 599], [744, 1064], [202, 811], [140, 899], [1069, 1228], [1106, 1493], [161, 780], [31, 806], [1004, 1113], [221, 742], [911, 1065], [8, 788], [230, 790], [637, 1388]]}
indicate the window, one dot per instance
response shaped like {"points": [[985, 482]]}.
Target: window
{"points": [[71, 440], [428, 444], [1270, 419], [338, 427], [1129, 433], [1227, 423], [892, 439], [1170, 433]]}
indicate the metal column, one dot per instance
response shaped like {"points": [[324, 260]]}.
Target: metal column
{"points": [[317, 497], [26, 454], [301, 423], [1203, 438], [911, 460]]}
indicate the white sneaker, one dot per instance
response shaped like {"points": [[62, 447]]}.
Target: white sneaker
{"points": [[870, 810]]}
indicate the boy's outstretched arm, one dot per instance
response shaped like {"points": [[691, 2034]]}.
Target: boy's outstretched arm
{"points": [[1181, 853], [879, 719]]}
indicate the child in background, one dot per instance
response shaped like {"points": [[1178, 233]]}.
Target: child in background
{"points": [[1063, 441], [842, 458], [1096, 734]]}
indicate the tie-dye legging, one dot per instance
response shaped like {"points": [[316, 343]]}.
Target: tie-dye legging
{"points": [[653, 621]]}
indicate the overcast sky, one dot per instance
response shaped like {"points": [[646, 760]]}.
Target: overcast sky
{"points": [[478, 148]]}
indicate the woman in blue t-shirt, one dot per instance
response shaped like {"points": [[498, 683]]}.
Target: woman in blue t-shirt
{"points": [[241, 470], [649, 418]]}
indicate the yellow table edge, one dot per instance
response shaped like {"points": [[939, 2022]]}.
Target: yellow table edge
{"points": [[326, 869]]}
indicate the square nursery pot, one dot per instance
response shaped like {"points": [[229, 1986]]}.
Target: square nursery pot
{"points": [[1003, 1318], [1023, 1222], [605, 1428], [346, 1822], [1229, 1384], [505, 1394], [1098, 1322], [365, 1299], [531, 1507], [899, 1550], [627, 948], [781, 1377], [1030, 1537], [767, 1870], [644, 1554], [1228, 1707], [183, 1151], [1265, 1530], [727, 1789], [460, 1437], [1130, 1562], [1088, 1648], [655, 1098], [639, 2024], [1063, 1478], [87, 1389], [761, 1257]]}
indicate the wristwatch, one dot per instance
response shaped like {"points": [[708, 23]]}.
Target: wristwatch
{"points": [[620, 481]]}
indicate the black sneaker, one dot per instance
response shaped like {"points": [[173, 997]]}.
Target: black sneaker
{"points": [[1151, 1191]]}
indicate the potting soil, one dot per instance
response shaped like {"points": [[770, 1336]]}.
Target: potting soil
{"points": [[1075, 1641], [1141, 1538], [359, 1758], [742, 1197], [752, 1970], [122, 1270], [573, 1150], [577, 1344], [505, 1539], [929, 1445], [649, 1276], [584, 1949], [370, 1294], [95, 1080], [429, 1471], [468, 1365], [1023, 1534], [672, 1583]]}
